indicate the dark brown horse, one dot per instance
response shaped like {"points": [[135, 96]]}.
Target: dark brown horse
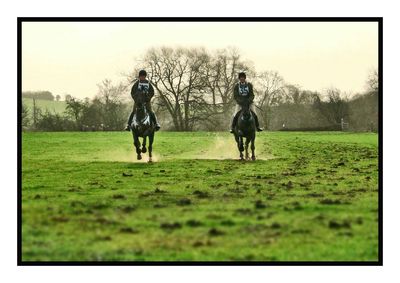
{"points": [[245, 128], [142, 126]]}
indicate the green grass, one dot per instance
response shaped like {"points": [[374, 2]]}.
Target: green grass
{"points": [[309, 197], [52, 106]]}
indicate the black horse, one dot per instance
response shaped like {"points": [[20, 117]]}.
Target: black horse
{"points": [[245, 128], [142, 126]]}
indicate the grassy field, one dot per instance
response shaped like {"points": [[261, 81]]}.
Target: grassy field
{"points": [[52, 106], [308, 197]]}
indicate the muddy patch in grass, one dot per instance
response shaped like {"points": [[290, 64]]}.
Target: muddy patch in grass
{"points": [[295, 205], [128, 230], [60, 218], [201, 194], [227, 222], [314, 195], [243, 211], [301, 231], [118, 196], [184, 202], [127, 208], [103, 238], [159, 205], [259, 204], [194, 223], [288, 185], [159, 191], [170, 226], [333, 224], [75, 189], [213, 232], [329, 201]]}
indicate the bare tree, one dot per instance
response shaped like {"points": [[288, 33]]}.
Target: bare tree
{"points": [[335, 107], [108, 92], [176, 74], [110, 98], [372, 82], [36, 113], [74, 109], [67, 97], [24, 116], [220, 76], [295, 95], [269, 93]]}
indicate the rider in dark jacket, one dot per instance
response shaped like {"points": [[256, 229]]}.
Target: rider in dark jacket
{"points": [[142, 87], [243, 93]]}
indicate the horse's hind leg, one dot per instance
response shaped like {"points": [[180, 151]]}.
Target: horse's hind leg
{"points": [[247, 148], [253, 156], [151, 139], [136, 142], [144, 150]]}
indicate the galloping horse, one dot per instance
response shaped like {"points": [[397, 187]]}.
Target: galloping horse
{"points": [[245, 128], [142, 127]]}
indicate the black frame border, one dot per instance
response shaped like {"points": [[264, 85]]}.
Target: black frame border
{"points": [[20, 20]]}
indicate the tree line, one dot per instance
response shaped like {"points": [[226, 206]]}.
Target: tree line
{"points": [[44, 95], [194, 91]]}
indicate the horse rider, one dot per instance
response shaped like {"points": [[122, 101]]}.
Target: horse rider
{"points": [[139, 88], [243, 93]]}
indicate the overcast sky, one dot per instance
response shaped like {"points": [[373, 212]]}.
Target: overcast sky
{"points": [[74, 57]]}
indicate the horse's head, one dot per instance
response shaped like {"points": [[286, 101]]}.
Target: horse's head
{"points": [[141, 119], [141, 110], [246, 111]]}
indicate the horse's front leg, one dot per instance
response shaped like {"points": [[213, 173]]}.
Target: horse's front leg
{"points": [[144, 150], [253, 156], [151, 139], [247, 148], [241, 148], [237, 139], [136, 142]]}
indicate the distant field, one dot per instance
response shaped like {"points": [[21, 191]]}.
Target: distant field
{"points": [[308, 197], [52, 106]]}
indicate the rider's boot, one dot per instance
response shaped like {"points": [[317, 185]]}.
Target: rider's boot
{"points": [[232, 128], [157, 125], [128, 127], [257, 123]]}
